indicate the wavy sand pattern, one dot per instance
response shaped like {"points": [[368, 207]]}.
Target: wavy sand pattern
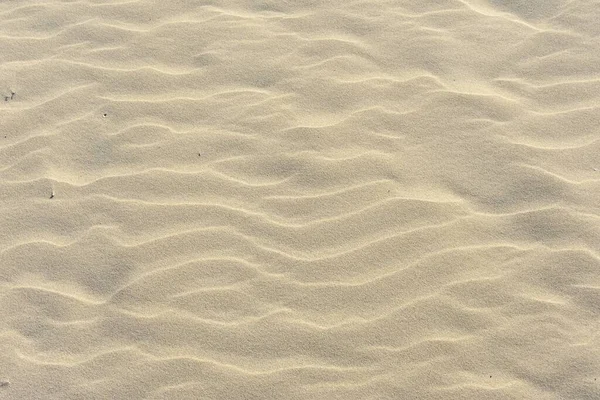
{"points": [[306, 199]]}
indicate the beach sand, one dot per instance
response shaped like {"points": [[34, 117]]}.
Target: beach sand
{"points": [[246, 199]]}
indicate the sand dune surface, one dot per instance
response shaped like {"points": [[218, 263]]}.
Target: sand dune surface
{"points": [[245, 199]]}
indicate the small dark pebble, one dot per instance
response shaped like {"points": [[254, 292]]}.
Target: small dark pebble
{"points": [[105, 115], [4, 383]]}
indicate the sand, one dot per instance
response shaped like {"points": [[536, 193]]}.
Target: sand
{"points": [[245, 199]]}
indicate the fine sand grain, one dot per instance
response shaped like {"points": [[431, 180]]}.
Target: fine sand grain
{"points": [[299, 199]]}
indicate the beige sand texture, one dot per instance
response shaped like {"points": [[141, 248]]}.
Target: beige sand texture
{"points": [[299, 199]]}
